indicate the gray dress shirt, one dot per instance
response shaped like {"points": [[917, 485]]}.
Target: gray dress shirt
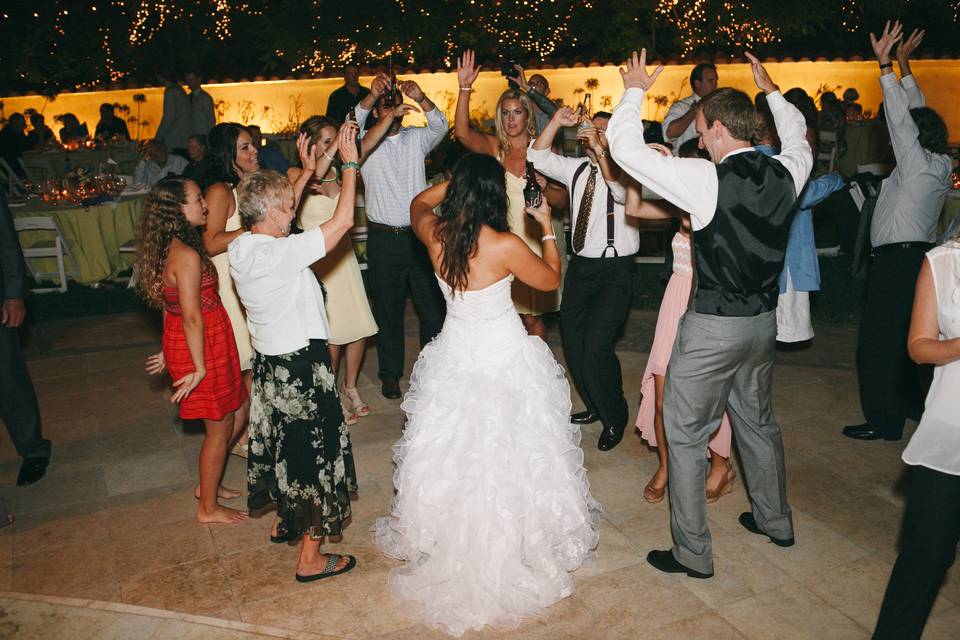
{"points": [[912, 197]]}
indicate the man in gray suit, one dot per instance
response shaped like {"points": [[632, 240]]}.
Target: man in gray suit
{"points": [[18, 402], [741, 206]]}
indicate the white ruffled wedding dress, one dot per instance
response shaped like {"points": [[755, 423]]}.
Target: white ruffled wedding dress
{"points": [[493, 505]]}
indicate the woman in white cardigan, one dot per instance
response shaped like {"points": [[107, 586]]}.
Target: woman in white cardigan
{"points": [[299, 452]]}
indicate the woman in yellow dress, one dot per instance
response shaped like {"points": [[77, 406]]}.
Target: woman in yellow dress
{"points": [[348, 310], [516, 129]]}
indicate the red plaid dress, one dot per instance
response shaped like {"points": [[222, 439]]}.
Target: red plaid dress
{"points": [[221, 391]]}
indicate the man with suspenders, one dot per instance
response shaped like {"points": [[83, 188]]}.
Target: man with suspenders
{"points": [[598, 285]]}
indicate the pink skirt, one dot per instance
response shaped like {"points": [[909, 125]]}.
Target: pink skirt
{"points": [[674, 305]]}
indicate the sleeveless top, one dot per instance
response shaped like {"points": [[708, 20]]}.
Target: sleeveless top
{"points": [[209, 298], [740, 253]]}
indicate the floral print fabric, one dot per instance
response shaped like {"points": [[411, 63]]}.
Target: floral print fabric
{"points": [[300, 455]]}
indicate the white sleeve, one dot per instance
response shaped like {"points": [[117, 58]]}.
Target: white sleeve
{"points": [[432, 134], [291, 255], [689, 183], [795, 153], [677, 110], [362, 115], [554, 166], [914, 94]]}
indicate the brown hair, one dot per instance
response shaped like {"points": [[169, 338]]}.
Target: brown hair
{"points": [[161, 222], [733, 109]]}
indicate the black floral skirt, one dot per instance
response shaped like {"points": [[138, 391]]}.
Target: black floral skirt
{"points": [[299, 455]]}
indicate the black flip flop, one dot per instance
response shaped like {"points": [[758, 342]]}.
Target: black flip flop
{"points": [[328, 570]]}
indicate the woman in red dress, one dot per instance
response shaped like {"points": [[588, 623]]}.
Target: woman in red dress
{"points": [[198, 345]]}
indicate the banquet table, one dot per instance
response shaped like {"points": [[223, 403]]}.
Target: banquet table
{"points": [[53, 164], [93, 234], [868, 142]]}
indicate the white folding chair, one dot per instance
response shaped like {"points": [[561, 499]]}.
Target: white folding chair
{"points": [[131, 247], [10, 181], [55, 247], [877, 169], [827, 151]]}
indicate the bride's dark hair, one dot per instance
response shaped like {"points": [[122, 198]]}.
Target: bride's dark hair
{"points": [[476, 196]]}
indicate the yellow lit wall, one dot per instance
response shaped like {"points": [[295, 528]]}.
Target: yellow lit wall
{"points": [[275, 105]]}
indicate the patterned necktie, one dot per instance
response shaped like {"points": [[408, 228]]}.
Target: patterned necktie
{"points": [[583, 218]]}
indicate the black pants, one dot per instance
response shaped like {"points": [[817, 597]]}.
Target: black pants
{"points": [[889, 384], [596, 299], [396, 262], [931, 531], [18, 402]]}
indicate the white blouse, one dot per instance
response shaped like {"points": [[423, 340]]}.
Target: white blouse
{"points": [[936, 443], [282, 298]]}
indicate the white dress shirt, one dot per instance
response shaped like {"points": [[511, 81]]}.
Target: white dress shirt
{"points": [[282, 298], [676, 111], [912, 196], [691, 183], [394, 172], [626, 238], [148, 172]]}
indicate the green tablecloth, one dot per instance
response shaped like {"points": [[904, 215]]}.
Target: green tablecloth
{"points": [[93, 235], [53, 164], [868, 142]]}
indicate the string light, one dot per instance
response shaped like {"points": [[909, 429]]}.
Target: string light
{"points": [[706, 22]]}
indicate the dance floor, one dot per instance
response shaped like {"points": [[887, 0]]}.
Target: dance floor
{"points": [[106, 545]]}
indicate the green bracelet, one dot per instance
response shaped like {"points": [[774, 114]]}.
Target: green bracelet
{"points": [[350, 165]]}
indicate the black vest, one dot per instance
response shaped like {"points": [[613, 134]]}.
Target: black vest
{"points": [[739, 254]]}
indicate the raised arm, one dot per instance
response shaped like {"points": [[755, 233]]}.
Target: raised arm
{"points": [[371, 139], [335, 228], [904, 135], [308, 161], [795, 153], [473, 140], [907, 79], [422, 216], [547, 162], [437, 126], [689, 183], [220, 206]]}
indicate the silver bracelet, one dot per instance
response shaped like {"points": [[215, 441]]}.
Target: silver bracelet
{"points": [[549, 237], [466, 88]]}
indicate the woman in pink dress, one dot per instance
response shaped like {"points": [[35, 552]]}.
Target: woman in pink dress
{"points": [[674, 304]]}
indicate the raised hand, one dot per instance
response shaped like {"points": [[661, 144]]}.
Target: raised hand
{"points": [[156, 363], [347, 142], [521, 78], [636, 76], [186, 384], [379, 85], [467, 69], [908, 46], [541, 214], [566, 117], [591, 136], [307, 153], [412, 90], [884, 44], [760, 75]]}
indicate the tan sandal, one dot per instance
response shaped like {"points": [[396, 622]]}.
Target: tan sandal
{"points": [[349, 416], [653, 495], [724, 489], [360, 408]]}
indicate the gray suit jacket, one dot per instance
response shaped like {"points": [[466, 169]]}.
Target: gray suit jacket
{"points": [[13, 273]]}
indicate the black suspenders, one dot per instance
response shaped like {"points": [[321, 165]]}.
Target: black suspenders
{"points": [[610, 218]]}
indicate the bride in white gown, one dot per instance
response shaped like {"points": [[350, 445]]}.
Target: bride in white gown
{"points": [[493, 507]]}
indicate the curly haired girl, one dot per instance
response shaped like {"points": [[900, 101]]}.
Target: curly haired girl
{"points": [[198, 344]]}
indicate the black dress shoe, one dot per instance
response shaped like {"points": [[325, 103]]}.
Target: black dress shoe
{"points": [[32, 470], [866, 431], [390, 388], [610, 437], [584, 417], [749, 523], [664, 561]]}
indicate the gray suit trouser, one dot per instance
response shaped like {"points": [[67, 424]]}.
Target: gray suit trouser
{"points": [[722, 362]]}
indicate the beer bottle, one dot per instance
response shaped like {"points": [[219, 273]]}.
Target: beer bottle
{"points": [[532, 194]]}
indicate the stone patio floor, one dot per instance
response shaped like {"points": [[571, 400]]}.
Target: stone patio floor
{"points": [[106, 545]]}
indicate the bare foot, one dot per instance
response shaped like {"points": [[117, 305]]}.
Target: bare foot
{"points": [[656, 488], [221, 515], [317, 566], [223, 493]]}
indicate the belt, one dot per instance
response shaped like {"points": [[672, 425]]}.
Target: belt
{"points": [[895, 246], [376, 226]]}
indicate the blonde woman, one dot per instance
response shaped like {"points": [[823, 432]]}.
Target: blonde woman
{"points": [[516, 128]]}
